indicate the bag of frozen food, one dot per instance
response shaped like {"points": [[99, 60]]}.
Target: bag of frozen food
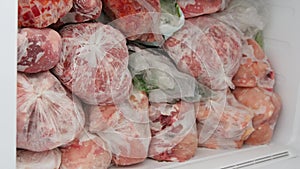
{"points": [[41, 13], [266, 106], [93, 64], [223, 123], [48, 115], [124, 127], [50, 159], [194, 8], [173, 129], [207, 49], [154, 73], [87, 151], [136, 19]]}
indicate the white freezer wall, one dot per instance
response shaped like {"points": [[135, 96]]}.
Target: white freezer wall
{"points": [[282, 44]]}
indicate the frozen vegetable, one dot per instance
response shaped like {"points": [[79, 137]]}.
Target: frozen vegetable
{"points": [[94, 63], [48, 115], [174, 133], [36, 160], [124, 126], [41, 13], [38, 49]]}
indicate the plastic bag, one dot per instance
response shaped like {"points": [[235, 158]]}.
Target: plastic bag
{"points": [[246, 16], [81, 11], [48, 115], [174, 133], [125, 127], [207, 49], [223, 122], [193, 8], [38, 49], [136, 19], [156, 74], [88, 151], [41, 13], [266, 106], [255, 69], [36, 160], [94, 63]]}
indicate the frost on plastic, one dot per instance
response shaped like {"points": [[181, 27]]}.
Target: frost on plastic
{"points": [[156, 74], [124, 126], [48, 116], [34, 160]]}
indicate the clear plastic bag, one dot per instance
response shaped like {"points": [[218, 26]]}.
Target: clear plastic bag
{"points": [[174, 133], [125, 128], [87, 151], [155, 73], [94, 63], [207, 49], [223, 123], [48, 115]]}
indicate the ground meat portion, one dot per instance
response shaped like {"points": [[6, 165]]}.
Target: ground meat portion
{"points": [[207, 49]]}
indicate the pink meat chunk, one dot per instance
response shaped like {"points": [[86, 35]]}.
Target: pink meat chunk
{"points": [[86, 152], [223, 124], [266, 106], [207, 49], [125, 127], [136, 19], [82, 11], [255, 69], [38, 49], [36, 160], [94, 63], [41, 13], [193, 8], [48, 116], [174, 134]]}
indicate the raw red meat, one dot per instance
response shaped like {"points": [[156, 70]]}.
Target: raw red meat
{"points": [[207, 49], [82, 11], [255, 69], [48, 116], [223, 125], [41, 13], [36, 160], [94, 63], [192, 8], [87, 152], [174, 134], [266, 106], [136, 19], [124, 127], [38, 49]]}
